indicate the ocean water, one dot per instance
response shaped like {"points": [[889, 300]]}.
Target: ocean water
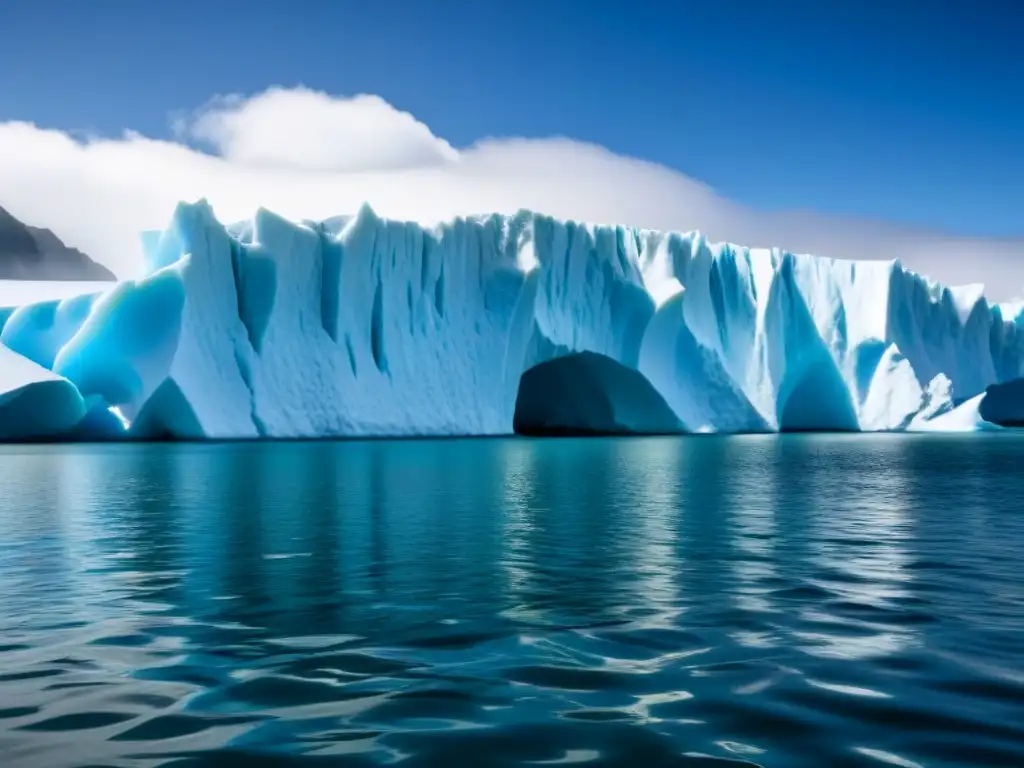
{"points": [[786, 601]]}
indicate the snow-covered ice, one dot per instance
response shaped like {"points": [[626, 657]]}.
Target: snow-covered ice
{"points": [[490, 324]]}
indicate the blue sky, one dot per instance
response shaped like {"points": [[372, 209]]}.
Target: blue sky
{"points": [[909, 112]]}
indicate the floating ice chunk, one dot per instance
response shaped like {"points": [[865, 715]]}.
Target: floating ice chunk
{"points": [[35, 402], [966, 417]]}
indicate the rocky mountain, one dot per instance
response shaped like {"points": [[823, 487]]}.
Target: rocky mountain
{"points": [[31, 253]]}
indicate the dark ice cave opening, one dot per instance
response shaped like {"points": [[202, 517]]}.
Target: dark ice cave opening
{"points": [[586, 393]]}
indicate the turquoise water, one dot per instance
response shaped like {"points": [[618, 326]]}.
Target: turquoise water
{"points": [[784, 601]]}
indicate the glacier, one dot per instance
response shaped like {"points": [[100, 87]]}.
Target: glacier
{"points": [[494, 324]]}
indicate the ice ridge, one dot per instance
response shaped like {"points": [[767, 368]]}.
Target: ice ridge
{"points": [[491, 324]]}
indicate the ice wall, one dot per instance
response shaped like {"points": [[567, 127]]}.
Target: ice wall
{"points": [[363, 326]]}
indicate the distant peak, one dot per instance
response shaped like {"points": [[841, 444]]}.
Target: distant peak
{"points": [[35, 253]]}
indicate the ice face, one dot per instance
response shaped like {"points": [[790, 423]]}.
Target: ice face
{"points": [[484, 325], [122, 351]]}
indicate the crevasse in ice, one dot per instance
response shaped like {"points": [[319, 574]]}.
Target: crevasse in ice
{"points": [[494, 324]]}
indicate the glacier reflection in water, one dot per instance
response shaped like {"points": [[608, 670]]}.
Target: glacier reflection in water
{"points": [[794, 600]]}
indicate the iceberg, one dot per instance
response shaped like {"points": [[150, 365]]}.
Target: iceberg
{"points": [[495, 324]]}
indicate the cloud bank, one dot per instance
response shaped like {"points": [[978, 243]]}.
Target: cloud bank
{"points": [[306, 130], [306, 154]]}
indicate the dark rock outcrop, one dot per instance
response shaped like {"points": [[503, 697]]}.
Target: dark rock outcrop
{"points": [[31, 253]]}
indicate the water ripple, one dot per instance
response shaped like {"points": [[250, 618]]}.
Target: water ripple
{"points": [[774, 602]]}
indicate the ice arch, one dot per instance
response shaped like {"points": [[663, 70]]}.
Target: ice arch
{"points": [[167, 415], [589, 393], [818, 400]]}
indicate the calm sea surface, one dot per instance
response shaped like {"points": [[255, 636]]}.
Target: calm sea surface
{"points": [[797, 601]]}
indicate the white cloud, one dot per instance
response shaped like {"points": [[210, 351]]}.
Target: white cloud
{"points": [[305, 129], [309, 155]]}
